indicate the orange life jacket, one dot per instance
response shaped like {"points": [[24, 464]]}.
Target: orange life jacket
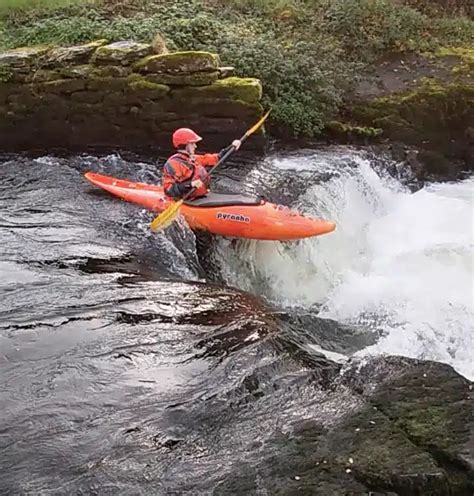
{"points": [[181, 169]]}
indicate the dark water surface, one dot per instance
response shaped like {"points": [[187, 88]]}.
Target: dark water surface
{"points": [[126, 366]]}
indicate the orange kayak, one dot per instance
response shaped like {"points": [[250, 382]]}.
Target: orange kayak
{"points": [[231, 215]]}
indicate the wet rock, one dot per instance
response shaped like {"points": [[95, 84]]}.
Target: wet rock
{"points": [[121, 52], [403, 427]]}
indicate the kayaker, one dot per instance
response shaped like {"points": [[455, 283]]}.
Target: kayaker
{"points": [[186, 170]]}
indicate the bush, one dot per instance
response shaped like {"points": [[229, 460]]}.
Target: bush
{"points": [[303, 82], [370, 27]]}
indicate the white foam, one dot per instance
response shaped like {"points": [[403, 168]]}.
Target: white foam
{"points": [[399, 262]]}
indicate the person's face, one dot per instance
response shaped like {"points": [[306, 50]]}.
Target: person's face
{"points": [[192, 148]]}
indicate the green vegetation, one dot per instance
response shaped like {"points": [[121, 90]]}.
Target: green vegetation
{"points": [[309, 54], [36, 4]]}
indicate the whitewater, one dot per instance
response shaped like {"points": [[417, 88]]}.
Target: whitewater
{"points": [[400, 262]]}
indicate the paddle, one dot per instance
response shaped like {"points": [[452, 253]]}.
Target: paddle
{"points": [[169, 215]]}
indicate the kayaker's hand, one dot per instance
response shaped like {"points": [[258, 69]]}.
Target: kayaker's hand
{"points": [[236, 144], [197, 183]]}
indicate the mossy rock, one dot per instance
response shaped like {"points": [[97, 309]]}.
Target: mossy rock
{"points": [[195, 79], [179, 63], [77, 71], [136, 81], [433, 111], [218, 107], [63, 86], [38, 76], [23, 59], [244, 89], [94, 72], [138, 92], [6, 74], [463, 54], [111, 71], [107, 84], [434, 406], [90, 97], [73, 55], [348, 130], [121, 52]]}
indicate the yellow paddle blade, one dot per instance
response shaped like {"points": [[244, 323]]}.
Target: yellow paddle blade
{"points": [[166, 217], [259, 123]]}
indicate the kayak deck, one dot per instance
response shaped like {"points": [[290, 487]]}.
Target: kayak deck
{"points": [[232, 215]]}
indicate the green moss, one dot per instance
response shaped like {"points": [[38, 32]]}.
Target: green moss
{"points": [[432, 111], [6, 74], [427, 425], [138, 83], [78, 54], [123, 52], [244, 89], [107, 83], [110, 71], [217, 107], [179, 63], [65, 86], [195, 79], [24, 58], [77, 71], [465, 56], [344, 129]]}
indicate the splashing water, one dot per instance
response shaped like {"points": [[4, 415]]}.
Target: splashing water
{"points": [[399, 262]]}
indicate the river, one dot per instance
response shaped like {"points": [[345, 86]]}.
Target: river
{"points": [[134, 362]]}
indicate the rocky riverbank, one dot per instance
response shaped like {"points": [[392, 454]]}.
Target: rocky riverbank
{"points": [[393, 71], [423, 102], [120, 95]]}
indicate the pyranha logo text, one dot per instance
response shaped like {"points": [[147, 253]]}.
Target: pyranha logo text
{"points": [[233, 217]]}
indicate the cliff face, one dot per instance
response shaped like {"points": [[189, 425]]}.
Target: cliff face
{"points": [[119, 95]]}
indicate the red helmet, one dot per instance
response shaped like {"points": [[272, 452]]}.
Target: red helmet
{"points": [[183, 136]]}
